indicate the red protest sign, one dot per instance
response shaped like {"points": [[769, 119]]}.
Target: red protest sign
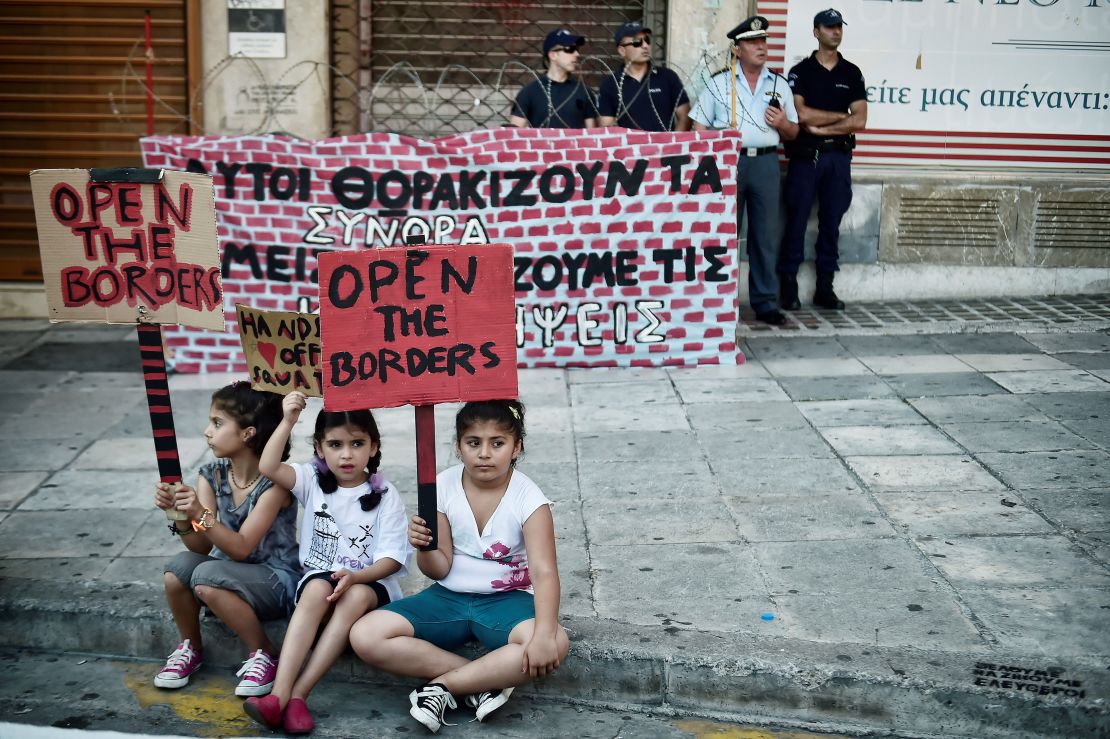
{"points": [[417, 325]]}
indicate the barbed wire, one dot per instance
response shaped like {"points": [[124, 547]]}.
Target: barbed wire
{"points": [[490, 101]]}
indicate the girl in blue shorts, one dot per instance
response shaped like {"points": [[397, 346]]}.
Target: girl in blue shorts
{"points": [[496, 579]]}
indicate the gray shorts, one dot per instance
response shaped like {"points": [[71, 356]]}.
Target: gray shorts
{"points": [[257, 584]]}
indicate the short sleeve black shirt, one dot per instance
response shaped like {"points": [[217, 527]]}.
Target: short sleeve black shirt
{"points": [[825, 89], [569, 107], [647, 104]]}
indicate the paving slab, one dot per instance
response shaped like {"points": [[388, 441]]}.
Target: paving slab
{"points": [[623, 394], [825, 367], [856, 441], [804, 347], [1071, 406], [634, 585], [929, 618], [1050, 381], [731, 417], [749, 369], [1050, 622], [1078, 509], [622, 480], [77, 489], [943, 514], [624, 446], [889, 346], [807, 518], [1014, 561], [1065, 469], [984, 343], [1093, 430], [110, 356], [15, 486], [1085, 360], [860, 413], [654, 417], [1095, 341], [92, 533], [922, 473], [939, 384], [782, 477], [860, 566], [914, 364], [756, 443], [1011, 362], [836, 388], [130, 454], [977, 409], [647, 521], [729, 390], [1015, 436]]}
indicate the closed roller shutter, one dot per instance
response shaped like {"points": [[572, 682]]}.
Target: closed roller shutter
{"points": [[67, 98], [435, 67]]}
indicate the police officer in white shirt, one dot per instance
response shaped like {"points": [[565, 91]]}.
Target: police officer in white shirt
{"points": [[758, 102]]}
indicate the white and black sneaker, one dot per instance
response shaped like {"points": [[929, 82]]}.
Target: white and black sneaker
{"points": [[486, 703], [428, 704]]}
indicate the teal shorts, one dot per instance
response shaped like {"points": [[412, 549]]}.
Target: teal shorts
{"points": [[449, 619]]}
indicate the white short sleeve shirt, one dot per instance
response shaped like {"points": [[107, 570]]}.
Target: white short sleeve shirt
{"points": [[494, 560], [337, 534]]}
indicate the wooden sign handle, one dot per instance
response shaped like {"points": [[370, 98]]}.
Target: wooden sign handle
{"points": [[426, 472], [153, 361]]}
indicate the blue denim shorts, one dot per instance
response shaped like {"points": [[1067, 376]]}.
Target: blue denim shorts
{"points": [[449, 619]]}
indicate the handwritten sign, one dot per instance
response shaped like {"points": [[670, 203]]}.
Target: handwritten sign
{"points": [[417, 325], [129, 252], [282, 350]]}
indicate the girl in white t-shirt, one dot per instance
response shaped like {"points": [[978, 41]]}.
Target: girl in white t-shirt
{"points": [[496, 579], [353, 548]]}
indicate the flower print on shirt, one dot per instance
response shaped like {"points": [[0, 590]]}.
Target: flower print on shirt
{"points": [[516, 578]]}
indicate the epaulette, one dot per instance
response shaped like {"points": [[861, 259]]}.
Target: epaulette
{"points": [[722, 70]]}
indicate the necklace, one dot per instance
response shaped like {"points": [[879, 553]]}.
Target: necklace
{"points": [[241, 486]]}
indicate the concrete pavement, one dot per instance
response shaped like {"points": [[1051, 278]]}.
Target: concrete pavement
{"points": [[925, 520]]}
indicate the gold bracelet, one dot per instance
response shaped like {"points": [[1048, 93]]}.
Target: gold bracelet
{"points": [[205, 522]]}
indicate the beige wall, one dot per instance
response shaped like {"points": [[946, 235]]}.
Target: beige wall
{"points": [[289, 95], [696, 35]]}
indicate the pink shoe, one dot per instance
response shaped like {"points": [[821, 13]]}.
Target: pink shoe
{"points": [[297, 718], [179, 666], [265, 710], [258, 674]]}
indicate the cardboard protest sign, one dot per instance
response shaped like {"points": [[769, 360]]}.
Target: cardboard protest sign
{"points": [[417, 325], [129, 251], [282, 350]]}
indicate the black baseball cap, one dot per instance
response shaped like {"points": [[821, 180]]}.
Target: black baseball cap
{"points": [[631, 29], [828, 17], [562, 37]]}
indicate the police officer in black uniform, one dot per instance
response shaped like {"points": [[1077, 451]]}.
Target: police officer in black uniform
{"points": [[831, 99]]}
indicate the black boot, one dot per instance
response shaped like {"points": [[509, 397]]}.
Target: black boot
{"points": [[824, 297], [788, 292]]}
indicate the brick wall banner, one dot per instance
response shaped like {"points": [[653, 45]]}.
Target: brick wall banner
{"points": [[624, 241]]}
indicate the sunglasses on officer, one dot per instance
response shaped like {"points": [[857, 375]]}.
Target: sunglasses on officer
{"points": [[637, 43], [568, 49]]}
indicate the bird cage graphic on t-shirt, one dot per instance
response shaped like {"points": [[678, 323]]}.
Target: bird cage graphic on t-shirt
{"points": [[325, 541]]}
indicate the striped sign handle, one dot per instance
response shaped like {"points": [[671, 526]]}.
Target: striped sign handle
{"points": [[153, 360]]}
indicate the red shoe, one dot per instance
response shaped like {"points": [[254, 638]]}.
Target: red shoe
{"points": [[297, 718], [265, 710]]}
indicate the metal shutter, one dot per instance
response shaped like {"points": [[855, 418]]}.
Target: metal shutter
{"points": [[419, 66], [67, 98]]}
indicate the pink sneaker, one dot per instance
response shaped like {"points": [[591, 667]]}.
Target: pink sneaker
{"points": [[297, 718], [258, 674], [179, 666]]}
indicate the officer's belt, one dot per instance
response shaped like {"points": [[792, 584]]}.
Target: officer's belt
{"points": [[755, 151]]}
